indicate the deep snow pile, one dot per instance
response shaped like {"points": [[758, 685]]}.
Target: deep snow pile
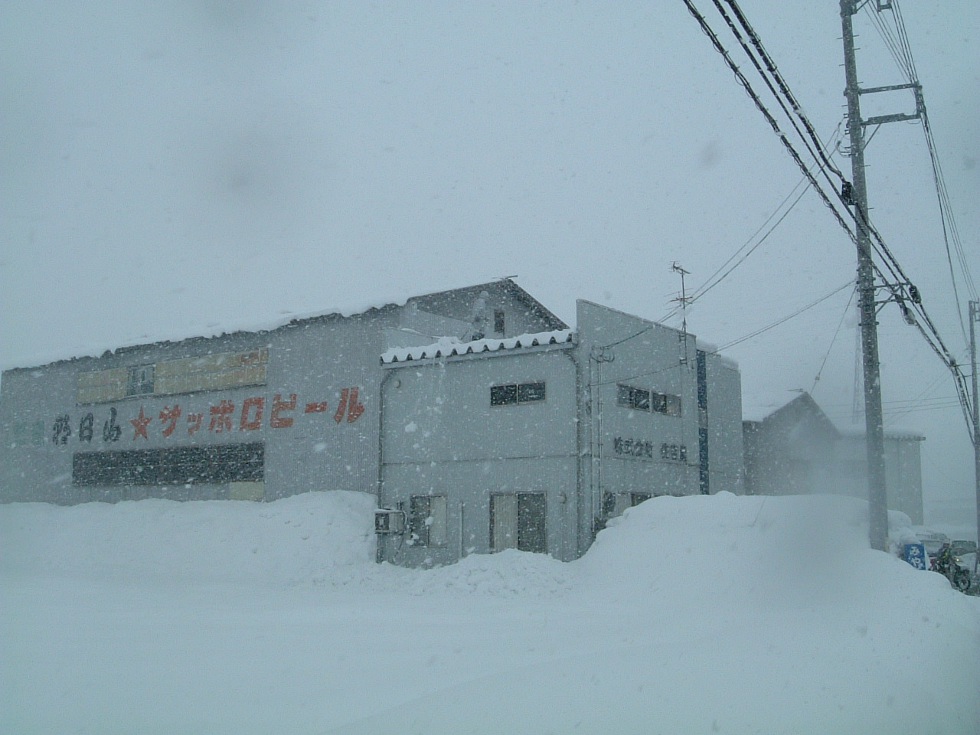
{"points": [[703, 614]]}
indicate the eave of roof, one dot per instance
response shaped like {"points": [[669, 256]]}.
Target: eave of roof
{"points": [[450, 348]]}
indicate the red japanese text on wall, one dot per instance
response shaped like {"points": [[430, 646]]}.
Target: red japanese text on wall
{"points": [[254, 413]]}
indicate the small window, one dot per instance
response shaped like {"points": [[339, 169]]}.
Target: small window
{"points": [[140, 381], [672, 405], [503, 395], [427, 520], [498, 322], [530, 392], [509, 395]]}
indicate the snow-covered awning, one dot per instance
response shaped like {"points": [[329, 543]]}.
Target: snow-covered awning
{"points": [[451, 347]]}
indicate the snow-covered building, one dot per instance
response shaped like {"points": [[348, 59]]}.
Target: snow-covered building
{"points": [[796, 449], [533, 443], [478, 418]]}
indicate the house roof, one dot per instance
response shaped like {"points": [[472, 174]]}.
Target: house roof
{"points": [[799, 407], [441, 301]]}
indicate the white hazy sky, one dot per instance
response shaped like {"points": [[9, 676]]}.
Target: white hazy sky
{"points": [[169, 169]]}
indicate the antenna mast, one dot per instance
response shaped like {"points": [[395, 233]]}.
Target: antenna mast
{"points": [[676, 267]]}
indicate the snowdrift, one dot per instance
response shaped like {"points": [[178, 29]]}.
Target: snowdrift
{"points": [[688, 615]]}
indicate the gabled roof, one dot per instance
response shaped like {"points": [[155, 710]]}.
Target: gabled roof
{"points": [[442, 301], [803, 406]]}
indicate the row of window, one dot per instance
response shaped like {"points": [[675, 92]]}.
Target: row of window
{"points": [[516, 393], [206, 465], [640, 399], [517, 521]]}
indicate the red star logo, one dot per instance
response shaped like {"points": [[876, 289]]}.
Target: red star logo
{"points": [[139, 424]]}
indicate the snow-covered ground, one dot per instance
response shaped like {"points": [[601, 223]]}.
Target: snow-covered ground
{"points": [[714, 614]]}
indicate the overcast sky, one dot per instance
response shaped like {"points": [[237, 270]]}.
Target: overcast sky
{"points": [[179, 168]]}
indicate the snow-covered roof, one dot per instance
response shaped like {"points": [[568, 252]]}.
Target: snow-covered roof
{"points": [[176, 333], [452, 347], [899, 433]]}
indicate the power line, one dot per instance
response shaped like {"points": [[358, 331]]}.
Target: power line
{"points": [[833, 339], [899, 285], [744, 82], [787, 93], [715, 279], [786, 318]]}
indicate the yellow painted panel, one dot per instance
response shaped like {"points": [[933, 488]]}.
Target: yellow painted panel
{"points": [[102, 386], [212, 372], [187, 375], [246, 491]]}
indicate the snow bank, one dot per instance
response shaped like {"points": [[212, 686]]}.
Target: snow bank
{"points": [[701, 614], [297, 539]]}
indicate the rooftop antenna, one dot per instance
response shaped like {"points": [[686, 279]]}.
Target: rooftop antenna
{"points": [[677, 268]]}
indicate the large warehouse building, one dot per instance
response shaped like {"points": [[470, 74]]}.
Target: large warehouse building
{"points": [[478, 418]]}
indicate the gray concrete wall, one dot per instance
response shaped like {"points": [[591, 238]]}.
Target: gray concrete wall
{"points": [[638, 451], [903, 472], [726, 451]]}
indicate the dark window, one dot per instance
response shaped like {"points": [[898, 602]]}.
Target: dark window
{"points": [[508, 395], [140, 381], [503, 395], [530, 392], [211, 465], [498, 321], [637, 498], [635, 398], [639, 399]]}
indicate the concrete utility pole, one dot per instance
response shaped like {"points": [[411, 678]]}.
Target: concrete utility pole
{"points": [[974, 318], [874, 428]]}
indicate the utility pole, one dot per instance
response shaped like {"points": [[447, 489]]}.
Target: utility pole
{"points": [[974, 318], [874, 428]]}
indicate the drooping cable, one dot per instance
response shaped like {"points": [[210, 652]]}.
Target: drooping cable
{"points": [[796, 194], [786, 318], [833, 339]]}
